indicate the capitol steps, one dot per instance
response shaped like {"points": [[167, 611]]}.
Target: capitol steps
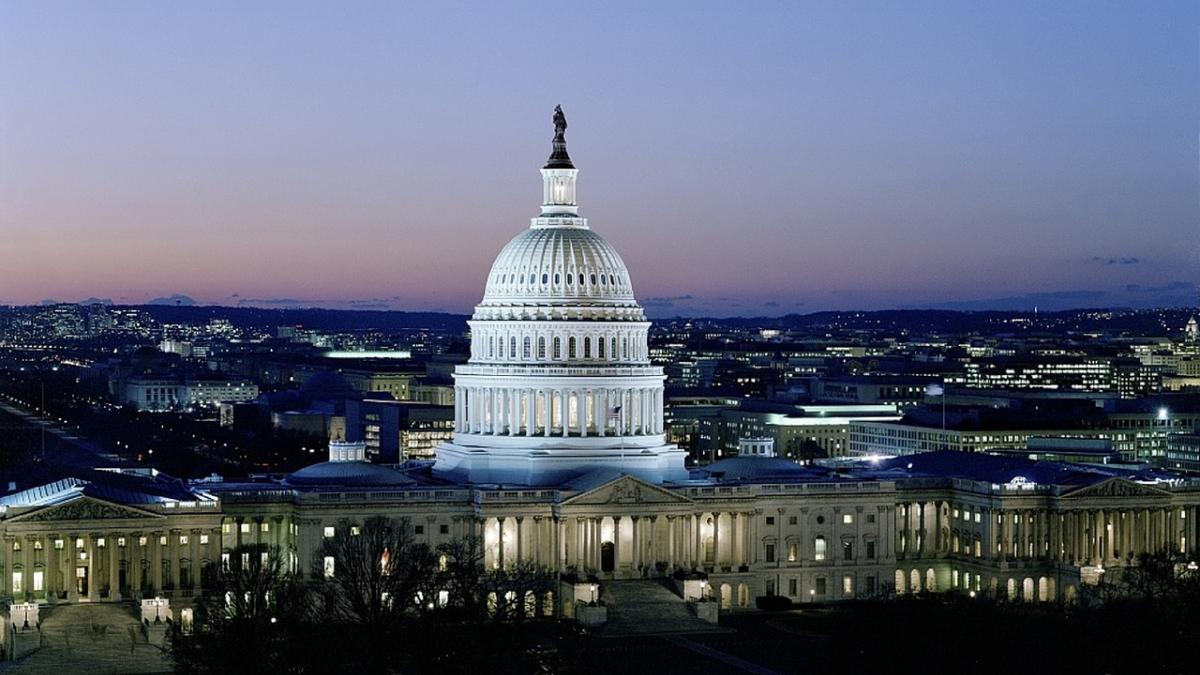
{"points": [[643, 607], [95, 638]]}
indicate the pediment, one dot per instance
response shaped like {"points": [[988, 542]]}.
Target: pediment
{"points": [[1117, 487], [627, 490], [84, 508]]}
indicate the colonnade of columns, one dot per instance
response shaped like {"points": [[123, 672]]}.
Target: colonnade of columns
{"points": [[1082, 536], [560, 411], [641, 544], [74, 565]]}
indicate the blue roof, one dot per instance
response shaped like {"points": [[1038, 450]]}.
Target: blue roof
{"points": [[1002, 469]]}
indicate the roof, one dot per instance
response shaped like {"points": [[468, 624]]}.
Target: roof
{"points": [[119, 487], [347, 474], [1004, 469]]}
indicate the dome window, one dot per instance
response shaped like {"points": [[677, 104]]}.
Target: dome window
{"points": [[557, 279], [541, 353], [545, 278], [613, 352], [512, 347], [593, 279], [570, 279], [525, 349], [581, 279], [533, 278], [571, 347], [557, 348], [603, 280], [600, 348], [587, 347]]}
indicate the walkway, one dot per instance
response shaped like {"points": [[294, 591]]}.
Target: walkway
{"points": [[93, 638]]}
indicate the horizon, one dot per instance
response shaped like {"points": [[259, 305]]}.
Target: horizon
{"points": [[854, 159]]}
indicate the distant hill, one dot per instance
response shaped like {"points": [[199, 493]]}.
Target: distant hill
{"points": [[321, 319]]}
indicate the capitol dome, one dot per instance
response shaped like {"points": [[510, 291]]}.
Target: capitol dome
{"points": [[559, 381]]}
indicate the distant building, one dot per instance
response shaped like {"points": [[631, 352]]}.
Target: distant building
{"points": [[394, 431], [899, 391]]}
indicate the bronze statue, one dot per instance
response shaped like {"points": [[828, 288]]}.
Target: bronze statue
{"points": [[560, 124]]}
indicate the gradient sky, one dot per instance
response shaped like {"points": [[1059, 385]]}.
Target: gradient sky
{"points": [[745, 158]]}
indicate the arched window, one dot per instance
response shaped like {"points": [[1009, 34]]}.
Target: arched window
{"points": [[587, 347], [571, 347], [491, 346], [512, 347], [556, 278], [570, 279], [580, 278], [541, 348], [525, 349], [819, 548], [625, 348], [545, 277], [603, 279], [557, 347], [533, 278], [613, 351], [600, 348], [593, 279]]}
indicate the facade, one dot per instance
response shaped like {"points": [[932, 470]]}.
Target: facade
{"points": [[558, 458], [159, 394]]}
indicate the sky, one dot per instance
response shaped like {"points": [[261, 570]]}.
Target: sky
{"points": [[745, 158]]}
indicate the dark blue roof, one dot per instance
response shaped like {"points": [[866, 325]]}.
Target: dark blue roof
{"points": [[1002, 469]]}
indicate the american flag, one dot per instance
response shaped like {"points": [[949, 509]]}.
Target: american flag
{"points": [[614, 413]]}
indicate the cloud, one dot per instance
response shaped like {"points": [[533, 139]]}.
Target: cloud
{"points": [[1168, 288], [770, 303], [1123, 260], [666, 301], [173, 299]]}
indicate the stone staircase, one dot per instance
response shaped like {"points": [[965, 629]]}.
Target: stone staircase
{"points": [[648, 608], [94, 638]]}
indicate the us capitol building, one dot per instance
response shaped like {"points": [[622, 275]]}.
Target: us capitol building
{"points": [[559, 458]]}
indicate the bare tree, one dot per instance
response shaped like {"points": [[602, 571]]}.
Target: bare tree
{"points": [[247, 622]]}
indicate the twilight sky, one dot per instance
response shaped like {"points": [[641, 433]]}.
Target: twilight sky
{"points": [[745, 158]]}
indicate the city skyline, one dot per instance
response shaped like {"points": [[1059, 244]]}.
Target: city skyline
{"points": [[746, 163]]}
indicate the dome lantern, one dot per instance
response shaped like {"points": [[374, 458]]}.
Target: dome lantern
{"points": [[558, 182]]}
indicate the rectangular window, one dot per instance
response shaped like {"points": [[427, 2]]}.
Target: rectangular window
{"points": [[977, 517], [770, 520], [792, 520], [870, 585], [848, 585], [141, 541], [224, 528], [245, 528], [225, 560], [820, 590], [871, 518], [183, 540], [58, 544], [847, 518], [819, 549], [870, 550], [847, 550], [792, 553], [443, 529], [419, 529], [120, 542], [328, 531], [770, 553], [264, 527], [204, 539], [328, 567], [792, 587], [354, 531], [17, 587], [38, 578]]}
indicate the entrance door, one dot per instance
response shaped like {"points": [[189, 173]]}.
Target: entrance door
{"points": [[607, 561], [81, 581]]}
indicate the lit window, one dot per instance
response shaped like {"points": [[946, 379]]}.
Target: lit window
{"points": [[791, 553], [37, 544], [245, 528], [162, 540], [224, 528], [78, 542], [847, 518], [354, 531], [328, 531], [848, 585], [819, 548], [183, 540], [264, 527], [58, 544], [17, 587], [204, 539], [328, 567], [38, 577], [225, 560]]}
